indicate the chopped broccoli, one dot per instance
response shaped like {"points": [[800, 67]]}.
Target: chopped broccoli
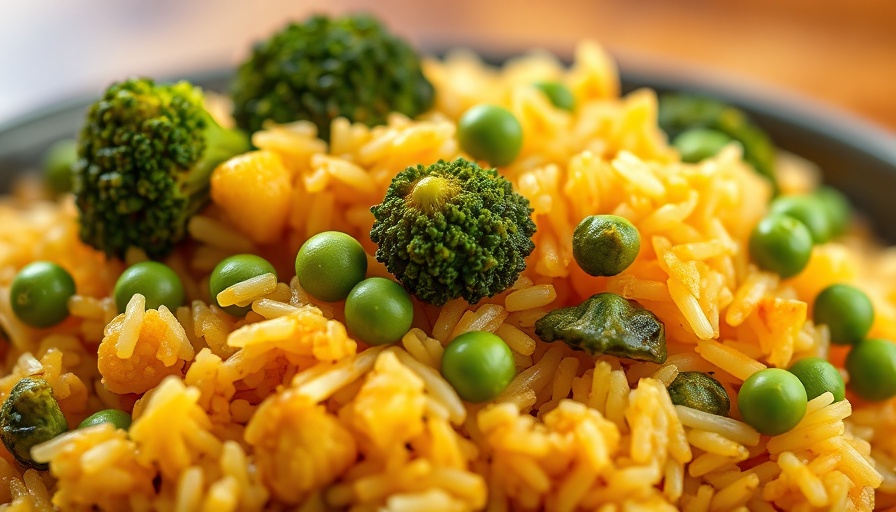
{"points": [[30, 416], [326, 68], [145, 156], [451, 230]]}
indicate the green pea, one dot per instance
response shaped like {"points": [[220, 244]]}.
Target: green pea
{"points": [[490, 133], [233, 270], [58, 163], [40, 293], [478, 365], [118, 419], [781, 244], [871, 365], [559, 94], [700, 391], [698, 144], [837, 208], [330, 264], [30, 416], [378, 311], [772, 401], [807, 209], [158, 284], [847, 312], [819, 376], [605, 245]]}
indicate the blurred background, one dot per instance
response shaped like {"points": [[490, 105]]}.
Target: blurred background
{"points": [[842, 52]]}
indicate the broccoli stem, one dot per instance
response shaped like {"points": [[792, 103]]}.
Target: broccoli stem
{"points": [[220, 144], [431, 193]]}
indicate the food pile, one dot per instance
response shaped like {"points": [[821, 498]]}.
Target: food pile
{"points": [[370, 280]]}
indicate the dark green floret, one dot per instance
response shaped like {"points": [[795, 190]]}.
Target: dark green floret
{"points": [[146, 153], [700, 391], [453, 229], [326, 68], [30, 416]]}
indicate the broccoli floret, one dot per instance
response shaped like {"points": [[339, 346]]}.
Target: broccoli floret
{"points": [[325, 68], [145, 156], [451, 230], [30, 416]]}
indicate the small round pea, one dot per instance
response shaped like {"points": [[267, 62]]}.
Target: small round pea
{"points": [[330, 264], [781, 244], [772, 401], [605, 245], [233, 270], [478, 365], [819, 376], [378, 311], [698, 144], [837, 208], [155, 281], [118, 419], [847, 312], [559, 94], [58, 163], [807, 209], [490, 133], [40, 293], [871, 365]]}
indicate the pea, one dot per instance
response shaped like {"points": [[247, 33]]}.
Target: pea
{"points": [[330, 264], [772, 401], [700, 391], [233, 270], [155, 281], [605, 245], [58, 163], [559, 94], [40, 293], [118, 419], [781, 244], [698, 144], [837, 208], [490, 133], [847, 312], [478, 365], [819, 376], [807, 209], [378, 311], [871, 365]]}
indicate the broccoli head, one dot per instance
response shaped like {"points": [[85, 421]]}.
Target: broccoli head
{"points": [[145, 156], [325, 68], [453, 229]]}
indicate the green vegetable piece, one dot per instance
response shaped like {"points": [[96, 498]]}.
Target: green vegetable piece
{"points": [[490, 133], [605, 245], [453, 229], [772, 401], [807, 209], [478, 365], [378, 311], [559, 95], [700, 391], [781, 244], [58, 163], [118, 419], [819, 376], [39, 294], [326, 68], [607, 323], [871, 365], [330, 264], [837, 208], [698, 144], [30, 416], [233, 270], [847, 312], [158, 284]]}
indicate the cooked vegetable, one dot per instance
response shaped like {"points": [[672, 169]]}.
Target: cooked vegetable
{"points": [[698, 144], [326, 68], [30, 416], [330, 264], [378, 311], [807, 209], [58, 163], [605, 245], [490, 133], [700, 391], [233, 270], [837, 208], [453, 229], [847, 312], [819, 376], [781, 244], [772, 401], [158, 284], [478, 365], [607, 323], [118, 419], [559, 94], [871, 365], [39, 294], [145, 155]]}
